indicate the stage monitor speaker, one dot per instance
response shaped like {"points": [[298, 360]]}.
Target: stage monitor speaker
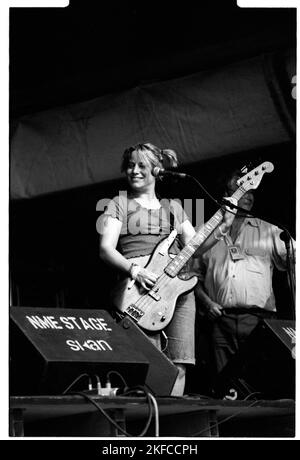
{"points": [[161, 373], [265, 366], [51, 347]]}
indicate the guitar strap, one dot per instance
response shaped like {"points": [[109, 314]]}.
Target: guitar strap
{"points": [[170, 216]]}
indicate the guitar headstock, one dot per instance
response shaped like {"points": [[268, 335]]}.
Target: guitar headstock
{"points": [[252, 179]]}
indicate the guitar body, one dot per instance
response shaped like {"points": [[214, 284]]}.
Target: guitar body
{"points": [[154, 309]]}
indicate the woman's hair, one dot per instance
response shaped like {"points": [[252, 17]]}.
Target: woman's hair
{"points": [[162, 158]]}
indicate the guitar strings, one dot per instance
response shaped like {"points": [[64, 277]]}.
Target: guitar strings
{"points": [[146, 300]]}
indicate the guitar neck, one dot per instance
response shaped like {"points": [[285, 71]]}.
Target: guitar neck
{"points": [[174, 267]]}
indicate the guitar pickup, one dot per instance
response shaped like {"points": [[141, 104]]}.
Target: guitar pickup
{"points": [[154, 295]]}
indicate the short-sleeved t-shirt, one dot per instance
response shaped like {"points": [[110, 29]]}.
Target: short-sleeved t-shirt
{"points": [[142, 228]]}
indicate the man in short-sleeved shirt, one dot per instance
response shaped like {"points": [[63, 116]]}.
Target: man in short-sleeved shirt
{"points": [[235, 278], [247, 281]]}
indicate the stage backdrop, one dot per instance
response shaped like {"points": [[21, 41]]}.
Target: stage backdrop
{"points": [[205, 115]]}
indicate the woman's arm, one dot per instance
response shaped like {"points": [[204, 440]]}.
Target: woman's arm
{"points": [[110, 229]]}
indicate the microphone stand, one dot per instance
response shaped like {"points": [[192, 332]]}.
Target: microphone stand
{"points": [[290, 263]]}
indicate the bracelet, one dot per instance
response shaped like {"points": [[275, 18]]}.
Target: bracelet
{"points": [[134, 270]]}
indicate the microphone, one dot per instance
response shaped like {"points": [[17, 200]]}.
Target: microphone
{"points": [[284, 237], [160, 172]]}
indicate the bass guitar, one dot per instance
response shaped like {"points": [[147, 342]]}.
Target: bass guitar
{"points": [[153, 310]]}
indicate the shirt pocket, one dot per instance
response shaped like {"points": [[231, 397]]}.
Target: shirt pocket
{"points": [[256, 260]]}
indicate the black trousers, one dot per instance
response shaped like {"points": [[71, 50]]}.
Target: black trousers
{"points": [[231, 330]]}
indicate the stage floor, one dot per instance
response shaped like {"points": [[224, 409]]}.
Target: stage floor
{"points": [[193, 416]]}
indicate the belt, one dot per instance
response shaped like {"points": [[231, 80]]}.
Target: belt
{"points": [[256, 311]]}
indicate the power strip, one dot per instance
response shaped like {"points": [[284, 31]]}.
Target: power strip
{"points": [[107, 391]]}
